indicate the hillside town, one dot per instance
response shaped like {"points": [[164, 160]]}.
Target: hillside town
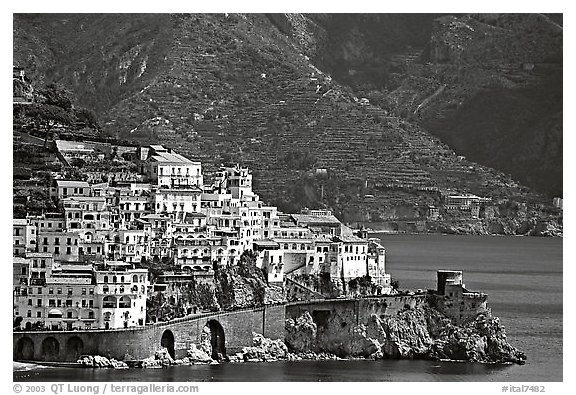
{"points": [[85, 266]]}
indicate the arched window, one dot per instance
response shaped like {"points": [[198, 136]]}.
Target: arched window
{"points": [[105, 289], [122, 279], [109, 302], [121, 289], [125, 302], [105, 279], [142, 289], [134, 278], [141, 278], [114, 280]]}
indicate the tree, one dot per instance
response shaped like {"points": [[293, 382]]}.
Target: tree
{"points": [[87, 117], [55, 95], [47, 116]]}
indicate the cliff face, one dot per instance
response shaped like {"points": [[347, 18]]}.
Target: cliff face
{"points": [[421, 332], [244, 286]]}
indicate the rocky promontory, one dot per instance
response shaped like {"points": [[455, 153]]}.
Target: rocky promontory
{"points": [[413, 333]]}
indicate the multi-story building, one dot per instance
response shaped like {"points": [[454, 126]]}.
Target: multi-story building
{"points": [[76, 296], [167, 169], [79, 267], [23, 237], [63, 189]]}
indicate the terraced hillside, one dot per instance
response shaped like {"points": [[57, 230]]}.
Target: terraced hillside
{"points": [[238, 88]]}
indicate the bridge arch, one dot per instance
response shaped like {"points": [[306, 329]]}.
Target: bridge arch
{"points": [[24, 349], [217, 339], [167, 341], [50, 349], [74, 348]]}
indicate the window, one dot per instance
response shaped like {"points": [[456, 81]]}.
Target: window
{"points": [[57, 250], [109, 302], [59, 291], [39, 302], [43, 263], [91, 304], [39, 291], [83, 291], [68, 302], [83, 303], [29, 302], [38, 314], [69, 291], [52, 302], [68, 314], [29, 313], [91, 291], [105, 279]]}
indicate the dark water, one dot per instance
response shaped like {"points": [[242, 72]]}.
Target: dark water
{"points": [[523, 277]]}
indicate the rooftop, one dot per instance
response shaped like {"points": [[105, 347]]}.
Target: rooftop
{"points": [[73, 184], [172, 158], [315, 219], [65, 145]]}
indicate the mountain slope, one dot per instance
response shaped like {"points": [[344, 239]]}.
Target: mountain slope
{"points": [[489, 85], [244, 88]]}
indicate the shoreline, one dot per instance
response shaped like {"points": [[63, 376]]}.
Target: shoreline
{"points": [[44, 364]]}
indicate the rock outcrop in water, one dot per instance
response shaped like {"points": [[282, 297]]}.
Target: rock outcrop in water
{"points": [[160, 359], [418, 333], [98, 361]]}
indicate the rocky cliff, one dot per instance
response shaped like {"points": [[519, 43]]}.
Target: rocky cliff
{"points": [[244, 286], [421, 333]]}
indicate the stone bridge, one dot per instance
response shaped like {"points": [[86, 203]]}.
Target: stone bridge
{"points": [[229, 332]]}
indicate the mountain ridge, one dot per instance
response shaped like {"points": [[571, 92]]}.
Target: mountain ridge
{"points": [[238, 88]]}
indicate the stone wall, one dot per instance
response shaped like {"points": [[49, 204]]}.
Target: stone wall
{"points": [[140, 343], [361, 308]]}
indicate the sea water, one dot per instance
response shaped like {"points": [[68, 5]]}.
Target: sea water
{"points": [[522, 276]]}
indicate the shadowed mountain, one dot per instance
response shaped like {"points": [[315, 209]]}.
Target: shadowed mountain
{"points": [[247, 88]]}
